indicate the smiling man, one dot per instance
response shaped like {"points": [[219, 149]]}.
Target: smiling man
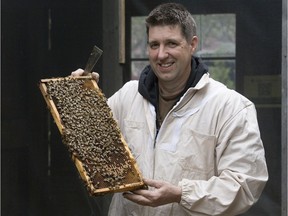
{"points": [[170, 55], [196, 142]]}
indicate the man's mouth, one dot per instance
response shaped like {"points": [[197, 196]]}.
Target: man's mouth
{"points": [[166, 65]]}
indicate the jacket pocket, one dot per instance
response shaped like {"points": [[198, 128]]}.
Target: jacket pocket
{"points": [[197, 155], [133, 134]]}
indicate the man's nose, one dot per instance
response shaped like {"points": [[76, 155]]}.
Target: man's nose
{"points": [[162, 52]]}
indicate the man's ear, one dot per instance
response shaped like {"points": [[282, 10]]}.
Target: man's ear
{"points": [[194, 44]]}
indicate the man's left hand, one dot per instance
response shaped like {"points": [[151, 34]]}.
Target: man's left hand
{"points": [[160, 193]]}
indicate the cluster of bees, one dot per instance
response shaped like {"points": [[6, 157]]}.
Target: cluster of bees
{"points": [[90, 132]]}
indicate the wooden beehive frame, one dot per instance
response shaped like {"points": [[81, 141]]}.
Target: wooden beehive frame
{"points": [[90, 83]]}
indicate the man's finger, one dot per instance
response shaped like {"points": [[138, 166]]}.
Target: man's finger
{"points": [[95, 76], [137, 198], [77, 72], [153, 183], [145, 193]]}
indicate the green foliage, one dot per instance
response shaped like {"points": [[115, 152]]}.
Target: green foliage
{"points": [[223, 73]]}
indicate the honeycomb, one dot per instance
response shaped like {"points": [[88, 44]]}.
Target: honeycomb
{"points": [[91, 134]]}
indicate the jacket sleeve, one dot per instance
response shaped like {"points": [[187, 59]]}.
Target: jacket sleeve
{"points": [[240, 170]]}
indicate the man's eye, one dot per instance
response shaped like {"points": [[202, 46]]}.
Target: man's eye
{"points": [[154, 46], [172, 44]]}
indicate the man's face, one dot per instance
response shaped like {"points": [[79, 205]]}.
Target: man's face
{"points": [[170, 53]]}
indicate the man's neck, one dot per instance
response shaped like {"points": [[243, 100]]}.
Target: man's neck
{"points": [[170, 90], [168, 95]]}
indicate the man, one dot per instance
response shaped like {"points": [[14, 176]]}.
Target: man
{"points": [[196, 142]]}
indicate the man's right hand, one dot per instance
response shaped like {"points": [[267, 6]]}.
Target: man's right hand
{"points": [[79, 72]]}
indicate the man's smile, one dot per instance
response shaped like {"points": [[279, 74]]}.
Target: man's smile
{"points": [[165, 66]]}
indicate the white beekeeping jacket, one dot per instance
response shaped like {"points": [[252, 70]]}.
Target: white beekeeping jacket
{"points": [[209, 144]]}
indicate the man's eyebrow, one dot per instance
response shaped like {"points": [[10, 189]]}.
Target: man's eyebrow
{"points": [[152, 41], [172, 40], [165, 41]]}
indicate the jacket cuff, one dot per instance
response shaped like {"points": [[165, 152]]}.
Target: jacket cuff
{"points": [[186, 198]]}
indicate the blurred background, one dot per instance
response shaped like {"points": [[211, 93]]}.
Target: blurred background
{"points": [[243, 42]]}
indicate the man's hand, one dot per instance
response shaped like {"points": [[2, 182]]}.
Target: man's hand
{"points": [[79, 72], [160, 193]]}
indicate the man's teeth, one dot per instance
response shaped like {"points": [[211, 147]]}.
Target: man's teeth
{"points": [[166, 65]]}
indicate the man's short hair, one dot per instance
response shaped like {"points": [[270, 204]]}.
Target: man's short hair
{"points": [[172, 14]]}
